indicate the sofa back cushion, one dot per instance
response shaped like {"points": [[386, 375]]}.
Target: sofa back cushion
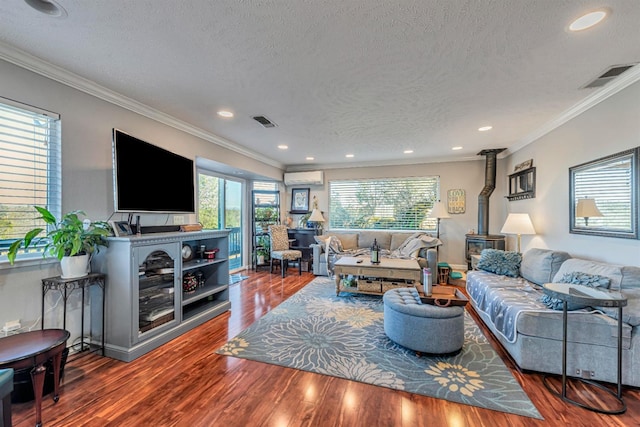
{"points": [[398, 239], [348, 240], [612, 271], [365, 239], [540, 266]]}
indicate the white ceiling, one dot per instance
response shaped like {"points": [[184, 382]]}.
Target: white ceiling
{"points": [[372, 78]]}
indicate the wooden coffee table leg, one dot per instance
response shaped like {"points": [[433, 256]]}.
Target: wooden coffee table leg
{"points": [[37, 380]]}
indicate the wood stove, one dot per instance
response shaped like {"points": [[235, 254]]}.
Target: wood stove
{"points": [[475, 243]]}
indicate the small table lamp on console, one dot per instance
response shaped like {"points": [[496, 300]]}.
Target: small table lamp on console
{"points": [[518, 223]]}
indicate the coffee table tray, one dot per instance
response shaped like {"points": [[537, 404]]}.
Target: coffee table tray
{"points": [[444, 296]]}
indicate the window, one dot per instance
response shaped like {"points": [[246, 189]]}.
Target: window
{"points": [[30, 174], [389, 203]]}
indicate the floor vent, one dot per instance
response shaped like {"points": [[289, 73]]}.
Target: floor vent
{"points": [[607, 76], [264, 121]]}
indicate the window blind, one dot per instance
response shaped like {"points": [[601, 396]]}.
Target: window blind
{"points": [[609, 184], [30, 168], [388, 203]]}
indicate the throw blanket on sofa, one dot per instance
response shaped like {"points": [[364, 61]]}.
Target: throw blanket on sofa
{"points": [[414, 243], [504, 301]]}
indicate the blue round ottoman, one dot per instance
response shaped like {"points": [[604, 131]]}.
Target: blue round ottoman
{"points": [[424, 328]]}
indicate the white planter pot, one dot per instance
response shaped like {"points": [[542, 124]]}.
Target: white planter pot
{"points": [[260, 259], [74, 266]]}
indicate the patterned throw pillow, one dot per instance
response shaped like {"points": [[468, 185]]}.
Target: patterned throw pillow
{"points": [[505, 263], [576, 278]]}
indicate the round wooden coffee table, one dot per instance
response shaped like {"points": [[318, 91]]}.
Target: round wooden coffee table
{"points": [[32, 350]]}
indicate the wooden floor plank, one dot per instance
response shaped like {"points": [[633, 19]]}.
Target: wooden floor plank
{"points": [[184, 383]]}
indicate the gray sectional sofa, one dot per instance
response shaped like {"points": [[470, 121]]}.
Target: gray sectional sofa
{"points": [[354, 240], [531, 332]]}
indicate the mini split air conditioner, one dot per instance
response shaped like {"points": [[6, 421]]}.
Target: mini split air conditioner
{"points": [[304, 178]]}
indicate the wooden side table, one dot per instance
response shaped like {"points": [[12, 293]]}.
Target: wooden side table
{"points": [[587, 296], [32, 350], [66, 287]]}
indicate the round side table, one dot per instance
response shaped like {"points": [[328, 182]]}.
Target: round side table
{"points": [[596, 297], [32, 350]]}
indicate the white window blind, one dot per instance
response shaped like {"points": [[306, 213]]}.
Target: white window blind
{"points": [[386, 203], [609, 185], [30, 164]]}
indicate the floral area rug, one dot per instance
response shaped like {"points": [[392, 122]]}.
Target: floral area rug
{"points": [[343, 336]]}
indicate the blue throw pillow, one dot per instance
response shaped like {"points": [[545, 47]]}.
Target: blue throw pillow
{"points": [[505, 263], [576, 278]]}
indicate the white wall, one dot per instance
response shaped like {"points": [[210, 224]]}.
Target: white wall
{"points": [[608, 128], [87, 182]]}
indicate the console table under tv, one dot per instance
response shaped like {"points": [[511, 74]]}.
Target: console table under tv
{"points": [[159, 286]]}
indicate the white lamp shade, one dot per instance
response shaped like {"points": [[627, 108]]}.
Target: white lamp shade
{"points": [[439, 210], [316, 216], [587, 208], [518, 223]]}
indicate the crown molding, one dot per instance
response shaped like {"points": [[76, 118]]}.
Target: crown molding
{"points": [[60, 75], [624, 80]]}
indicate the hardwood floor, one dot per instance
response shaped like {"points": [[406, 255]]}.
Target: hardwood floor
{"points": [[183, 383]]}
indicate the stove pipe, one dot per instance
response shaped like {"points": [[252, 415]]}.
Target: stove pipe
{"points": [[489, 186]]}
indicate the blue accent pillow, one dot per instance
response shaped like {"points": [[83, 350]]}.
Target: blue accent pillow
{"points": [[496, 261], [576, 278]]}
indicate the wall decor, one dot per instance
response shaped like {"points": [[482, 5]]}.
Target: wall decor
{"points": [[524, 165], [522, 184], [604, 198], [456, 201], [300, 200]]}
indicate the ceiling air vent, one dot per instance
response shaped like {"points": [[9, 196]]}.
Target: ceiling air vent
{"points": [[608, 75], [264, 121]]}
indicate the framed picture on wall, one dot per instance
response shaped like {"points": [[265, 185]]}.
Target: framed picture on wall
{"points": [[300, 200]]}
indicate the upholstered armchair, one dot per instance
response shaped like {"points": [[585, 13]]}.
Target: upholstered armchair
{"points": [[279, 241]]}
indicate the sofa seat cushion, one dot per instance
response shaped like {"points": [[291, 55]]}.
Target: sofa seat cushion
{"points": [[583, 326], [541, 265], [349, 241]]}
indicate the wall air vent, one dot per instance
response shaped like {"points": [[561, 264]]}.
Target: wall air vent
{"points": [[264, 121], [608, 75]]}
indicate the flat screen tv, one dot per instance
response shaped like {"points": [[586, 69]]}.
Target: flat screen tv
{"points": [[148, 178]]}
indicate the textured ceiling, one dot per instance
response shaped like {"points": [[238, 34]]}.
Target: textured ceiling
{"points": [[357, 76]]}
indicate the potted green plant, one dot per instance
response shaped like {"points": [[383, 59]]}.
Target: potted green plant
{"points": [[71, 240], [262, 249]]}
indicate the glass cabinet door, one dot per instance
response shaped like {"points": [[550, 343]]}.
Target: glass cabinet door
{"points": [[157, 303]]}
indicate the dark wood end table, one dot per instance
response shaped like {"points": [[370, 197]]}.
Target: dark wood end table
{"points": [[32, 350]]}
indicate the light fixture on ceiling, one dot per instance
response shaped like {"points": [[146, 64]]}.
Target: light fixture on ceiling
{"points": [[349, 156], [310, 158], [226, 114], [408, 151], [283, 147], [48, 7], [485, 128], [456, 148], [588, 20]]}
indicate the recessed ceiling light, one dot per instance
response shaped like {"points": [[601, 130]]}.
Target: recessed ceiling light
{"points": [[310, 158], [588, 20], [485, 128], [48, 7], [226, 114], [456, 148], [283, 147], [349, 156], [408, 151]]}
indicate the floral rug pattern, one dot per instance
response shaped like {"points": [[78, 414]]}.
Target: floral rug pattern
{"points": [[343, 336]]}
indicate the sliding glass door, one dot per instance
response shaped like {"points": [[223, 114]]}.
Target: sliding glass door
{"points": [[220, 206]]}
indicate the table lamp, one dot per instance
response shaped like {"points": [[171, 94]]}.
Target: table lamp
{"points": [[439, 211], [587, 208], [317, 218], [519, 224]]}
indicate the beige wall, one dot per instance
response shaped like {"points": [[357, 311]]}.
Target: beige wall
{"points": [[468, 176], [608, 128]]}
